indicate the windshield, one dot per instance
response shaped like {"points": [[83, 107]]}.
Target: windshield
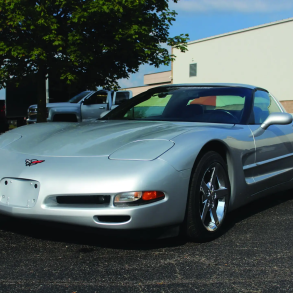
{"points": [[78, 97], [193, 104]]}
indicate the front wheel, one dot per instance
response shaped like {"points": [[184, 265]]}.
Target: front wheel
{"points": [[208, 199]]}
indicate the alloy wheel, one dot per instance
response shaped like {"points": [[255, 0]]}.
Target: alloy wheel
{"points": [[214, 195]]}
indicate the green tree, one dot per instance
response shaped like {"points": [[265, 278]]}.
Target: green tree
{"points": [[92, 41]]}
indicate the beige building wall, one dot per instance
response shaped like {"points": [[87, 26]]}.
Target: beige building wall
{"points": [[160, 77], [261, 56], [152, 80], [140, 89]]}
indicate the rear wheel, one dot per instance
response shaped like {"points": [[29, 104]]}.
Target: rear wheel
{"points": [[208, 198]]}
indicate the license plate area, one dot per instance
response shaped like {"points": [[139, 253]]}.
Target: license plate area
{"points": [[19, 192]]}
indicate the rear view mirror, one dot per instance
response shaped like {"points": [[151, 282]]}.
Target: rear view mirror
{"points": [[277, 118], [274, 118]]}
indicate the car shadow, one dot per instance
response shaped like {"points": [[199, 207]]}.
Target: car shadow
{"points": [[84, 236], [256, 207], [92, 238]]}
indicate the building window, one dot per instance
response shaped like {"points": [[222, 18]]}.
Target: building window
{"points": [[192, 69]]}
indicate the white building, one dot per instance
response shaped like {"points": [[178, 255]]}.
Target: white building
{"points": [[261, 55]]}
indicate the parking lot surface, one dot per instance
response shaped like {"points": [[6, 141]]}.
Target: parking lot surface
{"points": [[255, 254]]}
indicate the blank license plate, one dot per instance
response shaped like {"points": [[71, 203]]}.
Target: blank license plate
{"points": [[19, 192]]}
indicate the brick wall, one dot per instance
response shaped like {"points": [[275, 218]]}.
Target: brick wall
{"points": [[288, 105]]}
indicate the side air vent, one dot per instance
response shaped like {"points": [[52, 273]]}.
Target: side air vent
{"points": [[83, 199], [113, 219]]}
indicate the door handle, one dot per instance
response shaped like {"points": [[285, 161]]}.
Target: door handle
{"points": [[102, 107]]}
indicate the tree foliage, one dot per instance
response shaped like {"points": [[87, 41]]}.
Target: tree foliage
{"points": [[95, 42]]}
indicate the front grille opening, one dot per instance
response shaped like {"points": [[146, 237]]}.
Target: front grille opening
{"points": [[83, 199], [113, 219]]}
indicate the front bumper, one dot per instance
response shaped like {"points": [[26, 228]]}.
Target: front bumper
{"points": [[31, 121], [78, 176], [139, 217]]}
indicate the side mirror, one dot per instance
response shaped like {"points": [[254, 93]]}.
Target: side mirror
{"points": [[277, 118], [104, 114]]}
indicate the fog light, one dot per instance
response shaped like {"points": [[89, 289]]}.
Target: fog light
{"points": [[138, 197]]}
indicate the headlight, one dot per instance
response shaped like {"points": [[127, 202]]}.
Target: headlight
{"points": [[127, 197], [137, 197]]}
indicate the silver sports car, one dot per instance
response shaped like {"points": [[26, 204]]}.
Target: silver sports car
{"points": [[177, 156]]}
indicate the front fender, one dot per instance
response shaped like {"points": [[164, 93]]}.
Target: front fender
{"points": [[240, 148]]}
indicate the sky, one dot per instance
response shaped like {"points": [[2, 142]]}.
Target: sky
{"points": [[206, 18]]}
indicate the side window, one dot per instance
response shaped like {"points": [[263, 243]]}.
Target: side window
{"points": [[121, 97], [152, 107], [263, 106], [99, 97], [224, 108], [235, 103]]}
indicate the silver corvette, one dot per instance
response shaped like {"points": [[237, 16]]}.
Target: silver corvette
{"points": [[178, 156]]}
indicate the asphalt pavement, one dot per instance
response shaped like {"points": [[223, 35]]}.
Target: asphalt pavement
{"points": [[255, 254]]}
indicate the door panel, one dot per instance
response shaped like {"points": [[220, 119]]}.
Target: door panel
{"points": [[274, 155], [93, 106], [274, 148], [92, 111]]}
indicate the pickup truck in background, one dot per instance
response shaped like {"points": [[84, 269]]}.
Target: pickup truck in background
{"points": [[85, 106], [18, 97], [3, 120]]}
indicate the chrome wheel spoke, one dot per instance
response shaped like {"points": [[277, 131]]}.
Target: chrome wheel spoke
{"points": [[205, 190], [205, 211], [221, 210], [214, 175], [214, 215], [221, 193]]}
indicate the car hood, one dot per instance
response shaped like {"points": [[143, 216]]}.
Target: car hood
{"points": [[99, 138]]}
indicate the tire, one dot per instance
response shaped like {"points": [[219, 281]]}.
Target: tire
{"points": [[208, 198]]}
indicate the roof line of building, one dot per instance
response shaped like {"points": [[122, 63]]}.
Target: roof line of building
{"points": [[242, 30], [146, 85], [157, 72]]}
